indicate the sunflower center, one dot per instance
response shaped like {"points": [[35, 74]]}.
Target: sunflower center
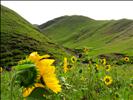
{"points": [[73, 59], [107, 67], [107, 80]]}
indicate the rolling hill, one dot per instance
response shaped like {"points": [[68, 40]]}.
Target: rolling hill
{"points": [[19, 38], [101, 36], [58, 36]]}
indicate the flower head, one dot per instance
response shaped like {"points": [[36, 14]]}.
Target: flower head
{"points": [[1, 69], [107, 80], [46, 77], [126, 59], [65, 65], [85, 50], [108, 68], [73, 59], [97, 67], [104, 61]]}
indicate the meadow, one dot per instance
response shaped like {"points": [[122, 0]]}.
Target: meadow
{"points": [[80, 78], [67, 58]]}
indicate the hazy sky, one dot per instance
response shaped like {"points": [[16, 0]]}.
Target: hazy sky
{"points": [[38, 12]]}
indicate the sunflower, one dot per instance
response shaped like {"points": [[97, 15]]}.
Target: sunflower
{"points": [[85, 50], [103, 61], [73, 59], [46, 75], [65, 65], [1, 69], [126, 59], [97, 67], [108, 80], [108, 68]]}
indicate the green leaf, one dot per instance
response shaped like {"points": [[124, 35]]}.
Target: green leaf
{"points": [[24, 66]]}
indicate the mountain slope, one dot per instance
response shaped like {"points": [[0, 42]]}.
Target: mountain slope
{"points": [[19, 38], [103, 36]]}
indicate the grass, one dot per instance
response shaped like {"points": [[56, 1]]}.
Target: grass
{"points": [[82, 82], [19, 38], [103, 35]]}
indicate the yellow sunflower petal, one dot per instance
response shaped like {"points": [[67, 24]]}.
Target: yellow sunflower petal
{"points": [[50, 79], [27, 91], [52, 83], [1, 69], [39, 85], [45, 56], [104, 61], [44, 66], [34, 57], [46, 62], [49, 70], [65, 65], [54, 87]]}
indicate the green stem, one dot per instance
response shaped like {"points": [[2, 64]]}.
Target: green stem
{"points": [[12, 83]]}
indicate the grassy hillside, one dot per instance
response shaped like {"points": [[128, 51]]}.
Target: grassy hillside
{"points": [[102, 36], [19, 38], [76, 74]]}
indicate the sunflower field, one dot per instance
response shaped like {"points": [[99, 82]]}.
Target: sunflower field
{"points": [[79, 77]]}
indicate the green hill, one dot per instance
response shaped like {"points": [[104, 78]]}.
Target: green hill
{"points": [[19, 38], [101, 36]]}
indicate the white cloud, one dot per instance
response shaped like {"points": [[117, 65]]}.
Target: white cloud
{"points": [[38, 12]]}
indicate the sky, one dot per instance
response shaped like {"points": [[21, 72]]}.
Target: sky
{"points": [[38, 12]]}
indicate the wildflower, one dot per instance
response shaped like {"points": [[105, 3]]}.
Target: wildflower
{"points": [[85, 50], [69, 66], [73, 59], [108, 68], [46, 74], [65, 65], [97, 67], [107, 80], [1, 69], [126, 59], [104, 61]]}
